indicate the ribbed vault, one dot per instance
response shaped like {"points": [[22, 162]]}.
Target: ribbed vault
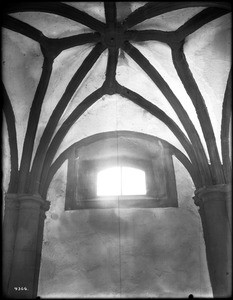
{"points": [[117, 38]]}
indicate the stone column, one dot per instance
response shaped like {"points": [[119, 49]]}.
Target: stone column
{"points": [[44, 208], [25, 265], [10, 221], [212, 202]]}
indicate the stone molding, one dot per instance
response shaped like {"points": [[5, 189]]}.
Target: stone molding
{"points": [[211, 193], [21, 201]]}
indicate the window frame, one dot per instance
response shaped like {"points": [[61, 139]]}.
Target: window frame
{"points": [[89, 198]]}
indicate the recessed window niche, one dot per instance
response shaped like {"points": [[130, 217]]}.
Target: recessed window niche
{"points": [[120, 170]]}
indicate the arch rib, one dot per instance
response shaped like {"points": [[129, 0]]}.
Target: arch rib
{"points": [[202, 18], [110, 13], [52, 46], [151, 10], [32, 125], [198, 101], [178, 108], [173, 37], [61, 9], [110, 134], [21, 27], [10, 121], [225, 127], [58, 111], [155, 111], [59, 136]]}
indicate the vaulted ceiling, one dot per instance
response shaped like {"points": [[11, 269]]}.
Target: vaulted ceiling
{"points": [[74, 69]]}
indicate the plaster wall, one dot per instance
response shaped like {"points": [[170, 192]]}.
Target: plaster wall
{"points": [[112, 113], [123, 252]]}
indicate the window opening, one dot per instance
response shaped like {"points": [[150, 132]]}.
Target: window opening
{"points": [[100, 179], [121, 181]]}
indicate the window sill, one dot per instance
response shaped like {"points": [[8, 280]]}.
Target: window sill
{"points": [[123, 202]]}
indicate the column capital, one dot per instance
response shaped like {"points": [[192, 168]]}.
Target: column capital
{"points": [[209, 193], [15, 201], [33, 201], [11, 201], [30, 197]]}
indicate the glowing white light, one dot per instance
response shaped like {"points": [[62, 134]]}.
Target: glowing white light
{"points": [[133, 181], [118, 181], [109, 182]]}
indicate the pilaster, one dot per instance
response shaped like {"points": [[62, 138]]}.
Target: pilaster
{"points": [[10, 220], [23, 279], [212, 202]]}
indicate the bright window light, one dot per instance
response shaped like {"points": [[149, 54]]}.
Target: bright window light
{"points": [[133, 181], [109, 182], [118, 181]]}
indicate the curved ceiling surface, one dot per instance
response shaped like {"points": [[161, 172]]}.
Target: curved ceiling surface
{"points": [[117, 66]]}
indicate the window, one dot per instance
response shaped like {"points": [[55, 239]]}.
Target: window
{"points": [[137, 175], [121, 181]]}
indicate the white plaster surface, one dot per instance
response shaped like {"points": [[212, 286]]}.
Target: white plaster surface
{"points": [[123, 252], [112, 113], [5, 158], [209, 58], [53, 26], [94, 9], [22, 64], [169, 21]]}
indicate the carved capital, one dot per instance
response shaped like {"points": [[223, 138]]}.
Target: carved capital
{"points": [[30, 201], [16, 201], [217, 192], [33, 202]]}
